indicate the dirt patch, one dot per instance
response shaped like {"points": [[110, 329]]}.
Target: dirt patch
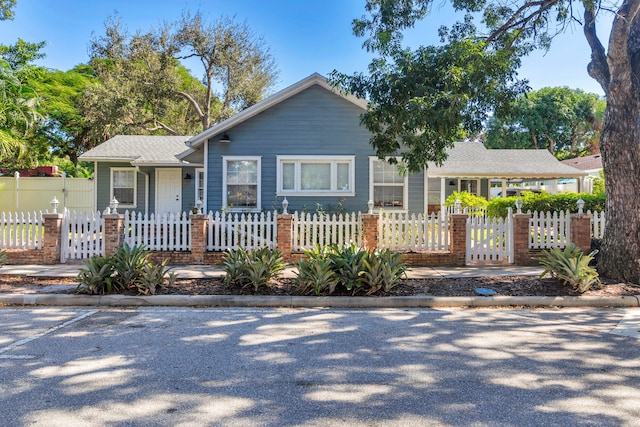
{"points": [[502, 285]]}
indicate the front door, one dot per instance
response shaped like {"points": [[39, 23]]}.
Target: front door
{"points": [[168, 191]]}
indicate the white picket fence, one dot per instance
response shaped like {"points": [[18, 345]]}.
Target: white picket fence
{"points": [[81, 235], [168, 232], [597, 224], [410, 232], [549, 230], [246, 230], [21, 230], [340, 229], [490, 239]]}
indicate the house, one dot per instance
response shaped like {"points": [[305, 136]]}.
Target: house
{"points": [[304, 144], [591, 165]]}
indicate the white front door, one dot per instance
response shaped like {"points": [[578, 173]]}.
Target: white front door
{"points": [[168, 191]]}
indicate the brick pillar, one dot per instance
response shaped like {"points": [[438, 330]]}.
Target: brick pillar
{"points": [[198, 238], [521, 235], [581, 231], [458, 238], [370, 231], [113, 233], [52, 239], [284, 243]]}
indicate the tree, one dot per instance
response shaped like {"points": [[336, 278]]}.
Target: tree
{"points": [[507, 31], [6, 9], [565, 121]]}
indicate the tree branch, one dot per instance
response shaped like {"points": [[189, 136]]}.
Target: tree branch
{"points": [[516, 22], [598, 68], [191, 101]]}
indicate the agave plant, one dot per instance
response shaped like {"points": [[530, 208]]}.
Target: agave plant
{"points": [[383, 270], [128, 264], [571, 267], [96, 276], [316, 275]]}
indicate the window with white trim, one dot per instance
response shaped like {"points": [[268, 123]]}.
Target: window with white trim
{"points": [[200, 185], [315, 175], [124, 186], [388, 187], [469, 185], [241, 183]]}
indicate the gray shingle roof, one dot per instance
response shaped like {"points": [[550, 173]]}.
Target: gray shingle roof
{"points": [[473, 160], [586, 163], [139, 149]]}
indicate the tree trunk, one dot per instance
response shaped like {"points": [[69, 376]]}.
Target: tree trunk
{"points": [[620, 147]]}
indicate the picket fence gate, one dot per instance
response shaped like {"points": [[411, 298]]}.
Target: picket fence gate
{"points": [[167, 232], [410, 232], [322, 229], [21, 230], [490, 239], [81, 235], [246, 230]]}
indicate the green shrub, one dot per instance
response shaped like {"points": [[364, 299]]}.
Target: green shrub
{"points": [[252, 267], [128, 268], [349, 267], [467, 200], [545, 202], [571, 267]]}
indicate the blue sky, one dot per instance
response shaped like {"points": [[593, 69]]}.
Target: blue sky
{"points": [[305, 36]]}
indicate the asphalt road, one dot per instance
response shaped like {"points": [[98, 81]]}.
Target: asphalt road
{"points": [[243, 367]]}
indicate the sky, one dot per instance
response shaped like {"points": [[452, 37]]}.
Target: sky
{"points": [[304, 36]]}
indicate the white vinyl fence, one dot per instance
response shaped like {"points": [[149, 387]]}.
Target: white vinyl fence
{"points": [[490, 239], [168, 232], [549, 230], [597, 224], [21, 230], [310, 230], [246, 230], [81, 235], [411, 232]]}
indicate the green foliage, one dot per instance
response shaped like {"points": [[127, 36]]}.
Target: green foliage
{"points": [[598, 184], [6, 9], [128, 268], [467, 200], [545, 202], [254, 268], [571, 267], [565, 121], [3, 258], [349, 267]]}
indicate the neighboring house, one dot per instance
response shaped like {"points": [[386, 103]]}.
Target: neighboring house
{"points": [[591, 165], [304, 144]]}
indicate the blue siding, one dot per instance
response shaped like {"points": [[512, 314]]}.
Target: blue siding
{"points": [[313, 122]]}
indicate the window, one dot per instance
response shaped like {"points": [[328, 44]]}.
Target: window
{"points": [[200, 185], [241, 183], [388, 188], [123, 186], [316, 175], [470, 186]]}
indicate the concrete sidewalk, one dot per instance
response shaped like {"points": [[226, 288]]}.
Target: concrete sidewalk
{"points": [[209, 271], [213, 271]]}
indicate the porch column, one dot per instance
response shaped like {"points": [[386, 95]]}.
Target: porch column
{"points": [[284, 242], [581, 231], [52, 239], [113, 233], [370, 231], [521, 234], [198, 237], [458, 239]]}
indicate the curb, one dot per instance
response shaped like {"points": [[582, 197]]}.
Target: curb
{"points": [[313, 302]]}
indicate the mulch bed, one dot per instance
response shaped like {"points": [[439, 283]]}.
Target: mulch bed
{"points": [[503, 285]]}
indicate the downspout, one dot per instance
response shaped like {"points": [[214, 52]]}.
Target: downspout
{"points": [[146, 189]]}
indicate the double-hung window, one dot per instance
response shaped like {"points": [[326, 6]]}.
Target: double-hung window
{"points": [[315, 175], [388, 187], [123, 186], [241, 183]]}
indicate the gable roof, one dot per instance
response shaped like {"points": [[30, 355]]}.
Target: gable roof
{"points": [[586, 163], [313, 79], [473, 160], [139, 150]]}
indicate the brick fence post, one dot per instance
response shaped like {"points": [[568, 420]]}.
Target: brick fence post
{"points": [[581, 231], [284, 243], [113, 233], [521, 236], [52, 239], [458, 239], [198, 237], [370, 231]]}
